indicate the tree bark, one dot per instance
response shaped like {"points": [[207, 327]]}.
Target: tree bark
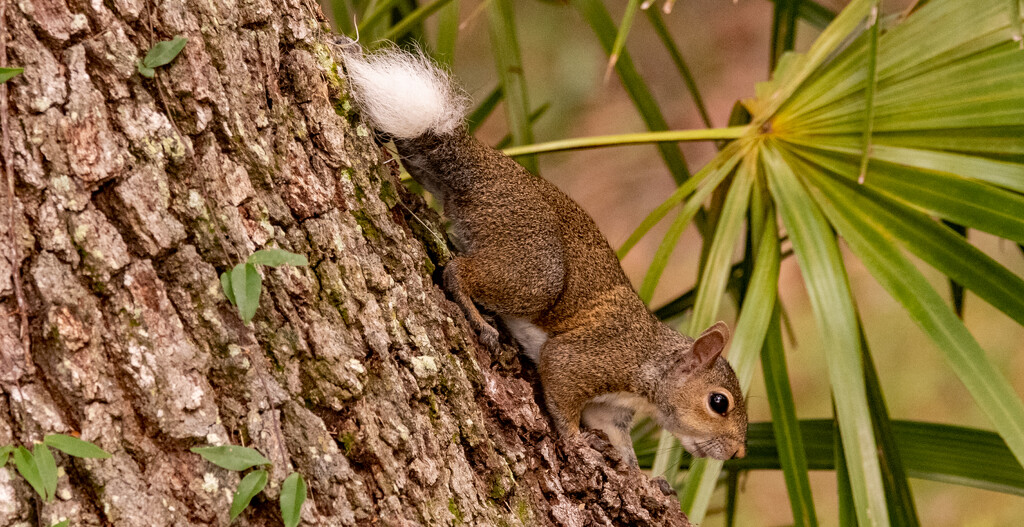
{"points": [[133, 194]]}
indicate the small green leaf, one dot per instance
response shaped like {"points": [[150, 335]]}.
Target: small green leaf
{"points": [[26, 465], [293, 495], [164, 52], [225, 284], [231, 457], [73, 446], [5, 452], [47, 469], [7, 74], [61, 524], [246, 284], [148, 73], [249, 487], [276, 258]]}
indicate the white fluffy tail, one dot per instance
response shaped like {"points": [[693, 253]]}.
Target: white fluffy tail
{"points": [[404, 94]]}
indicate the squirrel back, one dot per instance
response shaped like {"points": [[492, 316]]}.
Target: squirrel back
{"points": [[493, 202], [531, 255]]}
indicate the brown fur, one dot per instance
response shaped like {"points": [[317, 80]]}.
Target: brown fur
{"points": [[532, 253]]}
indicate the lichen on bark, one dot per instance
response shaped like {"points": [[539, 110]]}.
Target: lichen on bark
{"points": [[133, 194]]}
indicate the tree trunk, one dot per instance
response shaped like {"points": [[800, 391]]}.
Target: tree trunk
{"points": [[133, 194]]}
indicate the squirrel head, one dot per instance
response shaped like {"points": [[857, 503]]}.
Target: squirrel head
{"points": [[700, 400]]}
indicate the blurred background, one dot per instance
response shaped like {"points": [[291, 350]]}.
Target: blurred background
{"points": [[726, 44]]}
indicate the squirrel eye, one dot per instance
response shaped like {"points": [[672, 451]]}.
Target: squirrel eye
{"points": [[718, 403]]}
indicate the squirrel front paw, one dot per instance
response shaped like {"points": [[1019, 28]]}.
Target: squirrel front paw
{"points": [[600, 440], [664, 486], [488, 337]]}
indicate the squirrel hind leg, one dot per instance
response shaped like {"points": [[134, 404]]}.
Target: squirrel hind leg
{"points": [[509, 286], [510, 279]]}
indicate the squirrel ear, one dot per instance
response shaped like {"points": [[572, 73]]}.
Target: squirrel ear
{"points": [[711, 343]]}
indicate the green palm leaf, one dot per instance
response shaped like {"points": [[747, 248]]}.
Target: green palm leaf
{"points": [[825, 277], [788, 440], [906, 284], [942, 41], [983, 207], [945, 140], [930, 451]]}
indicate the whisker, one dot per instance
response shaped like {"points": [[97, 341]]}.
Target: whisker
{"points": [[668, 449]]}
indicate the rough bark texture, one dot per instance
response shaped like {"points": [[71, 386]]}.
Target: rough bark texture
{"points": [[133, 194]]}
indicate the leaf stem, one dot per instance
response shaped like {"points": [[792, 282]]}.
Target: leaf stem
{"points": [[600, 141], [417, 16], [869, 95], [677, 58], [1015, 24]]}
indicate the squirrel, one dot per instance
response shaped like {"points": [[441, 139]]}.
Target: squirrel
{"points": [[532, 256]]}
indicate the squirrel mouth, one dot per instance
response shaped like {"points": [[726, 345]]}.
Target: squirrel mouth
{"points": [[713, 448]]}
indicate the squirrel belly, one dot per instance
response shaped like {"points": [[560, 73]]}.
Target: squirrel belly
{"points": [[535, 258]]}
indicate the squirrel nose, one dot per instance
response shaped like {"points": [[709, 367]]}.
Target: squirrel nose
{"points": [[740, 452]]}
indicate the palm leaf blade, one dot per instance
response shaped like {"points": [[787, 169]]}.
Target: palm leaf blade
{"points": [[929, 451], [825, 278], [601, 22], [501, 18], [788, 440], [751, 327], [989, 387]]}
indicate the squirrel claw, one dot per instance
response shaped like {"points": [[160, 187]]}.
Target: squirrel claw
{"points": [[489, 337], [664, 486]]}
